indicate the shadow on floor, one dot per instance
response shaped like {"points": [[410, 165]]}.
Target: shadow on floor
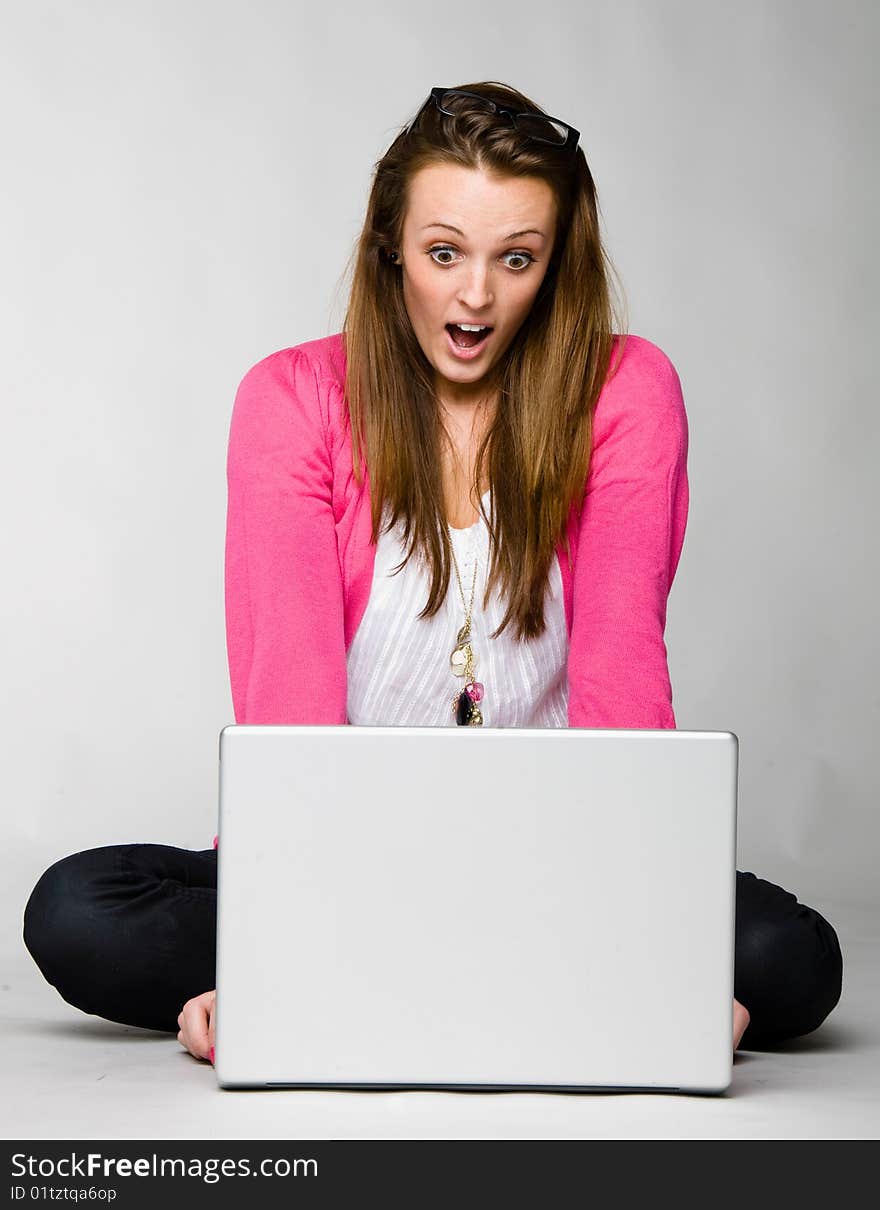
{"points": [[88, 1027]]}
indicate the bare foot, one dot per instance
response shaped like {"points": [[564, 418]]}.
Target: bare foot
{"points": [[740, 1021]]}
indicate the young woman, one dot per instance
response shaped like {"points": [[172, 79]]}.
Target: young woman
{"points": [[466, 509]]}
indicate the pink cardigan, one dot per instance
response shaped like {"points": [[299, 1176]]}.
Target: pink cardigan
{"points": [[299, 561]]}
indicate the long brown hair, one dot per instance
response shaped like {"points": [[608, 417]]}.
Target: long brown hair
{"points": [[537, 448]]}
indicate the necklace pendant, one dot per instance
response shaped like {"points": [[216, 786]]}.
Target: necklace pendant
{"points": [[467, 712], [463, 635], [464, 709], [461, 660]]}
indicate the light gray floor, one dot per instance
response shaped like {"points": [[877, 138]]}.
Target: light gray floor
{"points": [[68, 1075]]}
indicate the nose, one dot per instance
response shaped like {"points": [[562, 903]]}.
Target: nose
{"points": [[475, 289]]}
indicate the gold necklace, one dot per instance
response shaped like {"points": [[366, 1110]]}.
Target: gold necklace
{"points": [[465, 703]]}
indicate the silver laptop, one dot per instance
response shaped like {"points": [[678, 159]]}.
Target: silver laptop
{"points": [[476, 908]]}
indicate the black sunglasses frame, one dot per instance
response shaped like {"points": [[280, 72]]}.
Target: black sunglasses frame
{"points": [[571, 141]]}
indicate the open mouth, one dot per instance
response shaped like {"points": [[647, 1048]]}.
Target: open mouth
{"points": [[467, 339]]}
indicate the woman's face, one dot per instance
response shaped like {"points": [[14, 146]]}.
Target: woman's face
{"points": [[487, 272]]}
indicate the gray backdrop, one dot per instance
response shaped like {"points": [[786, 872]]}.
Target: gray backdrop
{"points": [[183, 184]]}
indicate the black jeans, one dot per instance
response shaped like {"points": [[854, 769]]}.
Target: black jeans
{"points": [[128, 933]]}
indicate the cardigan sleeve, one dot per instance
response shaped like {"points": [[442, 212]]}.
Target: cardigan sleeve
{"points": [[629, 543], [283, 583]]}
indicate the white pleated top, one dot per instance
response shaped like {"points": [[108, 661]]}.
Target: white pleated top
{"points": [[398, 666]]}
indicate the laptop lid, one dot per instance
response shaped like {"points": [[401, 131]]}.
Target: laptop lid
{"points": [[476, 908]]}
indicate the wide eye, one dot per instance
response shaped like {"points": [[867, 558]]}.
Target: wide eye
{"points": [[523, 256], [444, 250]]}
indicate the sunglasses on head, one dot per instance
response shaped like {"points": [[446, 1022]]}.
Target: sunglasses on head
{"points": [[538, 126]]}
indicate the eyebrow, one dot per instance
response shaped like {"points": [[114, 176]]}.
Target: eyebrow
{"points": [[513, 234]]}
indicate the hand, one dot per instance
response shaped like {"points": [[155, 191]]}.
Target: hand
{"points": [[741, 1019], [196, 1021]]}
